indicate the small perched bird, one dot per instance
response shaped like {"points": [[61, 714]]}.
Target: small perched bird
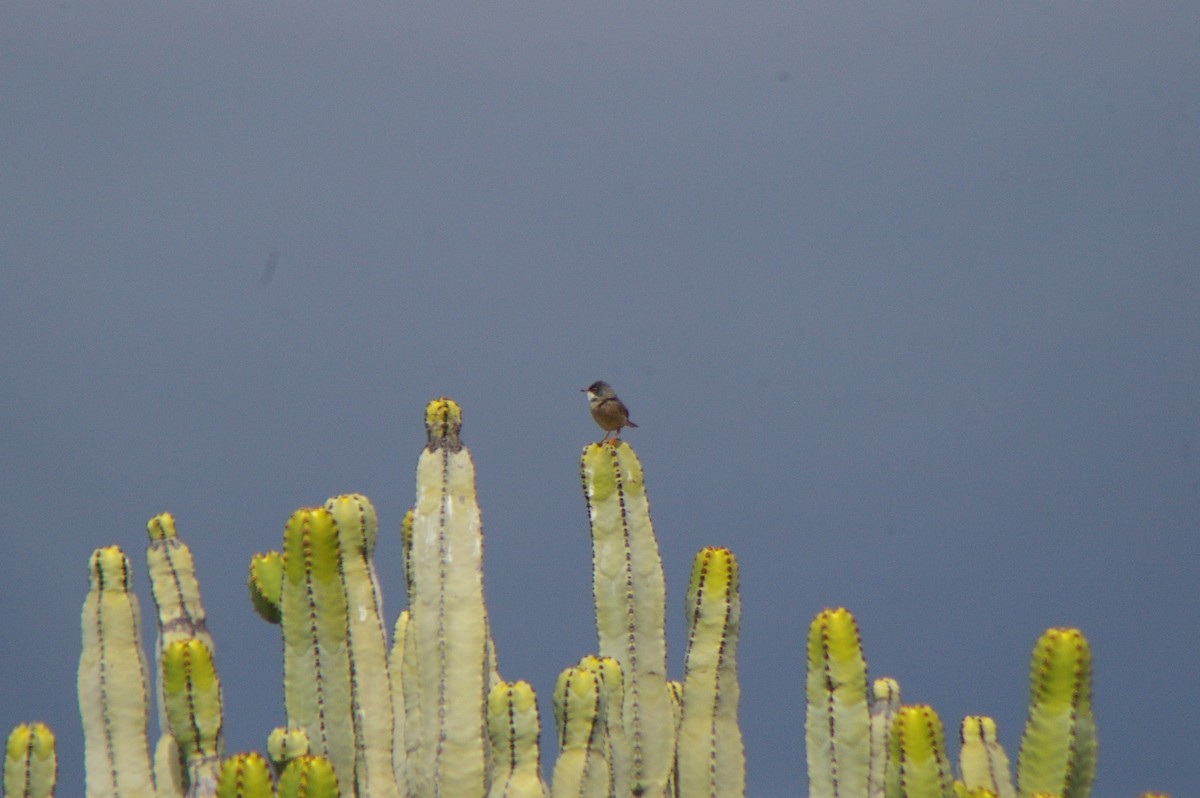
{"points": [[608, 411]]}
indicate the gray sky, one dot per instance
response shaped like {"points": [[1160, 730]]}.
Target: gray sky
{"points": [[905, 298]]}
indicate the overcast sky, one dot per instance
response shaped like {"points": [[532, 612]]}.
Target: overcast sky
{"points": [[904, 297]]}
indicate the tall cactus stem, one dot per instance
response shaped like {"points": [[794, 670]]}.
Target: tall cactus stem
{"points": [[371, 686], [113, 701], [448, 629], [1058, 748], [316, 662], [837, 720], [627, 584], [192, 694], [885, 700], [710, 756]]}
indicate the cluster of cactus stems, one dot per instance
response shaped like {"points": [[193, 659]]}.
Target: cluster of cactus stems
{"points": [[430, 717]]}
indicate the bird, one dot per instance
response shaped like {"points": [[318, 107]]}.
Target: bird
{"points": [[607, 410]]}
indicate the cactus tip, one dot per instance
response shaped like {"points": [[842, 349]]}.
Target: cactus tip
{"points": [[443, 422], [161, 527]]}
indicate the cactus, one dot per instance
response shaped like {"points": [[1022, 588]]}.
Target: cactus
{"points": [[448, 628], [838, 721], [1058, 749], [885, 701], [244, 776], [627, 585], [308, 776], [582, 769], [113, 700], [371, 686], [431, 717], [918, 766], [192, 697], [513, 728], [710, 758], [982, 761], [187, 757], [30, 764]]}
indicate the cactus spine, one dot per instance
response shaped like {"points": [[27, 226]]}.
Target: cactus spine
{"points": [[627, 584]]}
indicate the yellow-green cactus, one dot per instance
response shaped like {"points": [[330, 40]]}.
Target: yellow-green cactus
{"points": [[400, 707], [265, 584], [308, 777], [113, 699], [284, 745], [711, 760], [30, 764], [189, 765], [192, 697], [370, 687], [885, 700], [627, 585], [316, 661], [174, 586], [417, 721], [620, 758], [513, 728], [982, 762], [448, 630], [1058, 748], [918, 766], [582, 769], [837, 721], [244, 776]]}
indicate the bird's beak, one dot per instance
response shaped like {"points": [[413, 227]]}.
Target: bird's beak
{"points": [[583, 390]]}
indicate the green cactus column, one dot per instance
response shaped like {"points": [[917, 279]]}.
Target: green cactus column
{"points": [[1058, 748], [316, 660], [113, 701], [181, 621], [447, 631], [192, 695], [837, 721], [710, 756], [918, 766], [371, 685], [627, 583]]}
